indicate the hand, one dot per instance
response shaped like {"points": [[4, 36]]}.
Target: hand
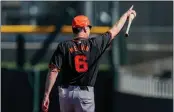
{"points": [[131, 11], [45, 103]]}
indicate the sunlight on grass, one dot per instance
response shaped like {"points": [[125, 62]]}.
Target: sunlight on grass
{"points": [[40, 66]]}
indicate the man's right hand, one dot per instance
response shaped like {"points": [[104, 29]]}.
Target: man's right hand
{"points": [[119, 24], [45, 103], [131, 11]]}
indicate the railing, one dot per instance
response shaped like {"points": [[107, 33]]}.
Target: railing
{"points": [[146, 86], [147, 68]]}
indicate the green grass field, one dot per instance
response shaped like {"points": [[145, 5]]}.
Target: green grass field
{"points": [[40, 66]]}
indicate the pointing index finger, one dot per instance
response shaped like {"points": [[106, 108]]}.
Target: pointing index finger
{"points": [[131, 7]]}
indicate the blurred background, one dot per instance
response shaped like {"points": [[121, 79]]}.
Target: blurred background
{"points": [[136, 73]]}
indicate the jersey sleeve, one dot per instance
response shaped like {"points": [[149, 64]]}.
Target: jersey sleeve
{"points": [[103, 41], [56, 59]]}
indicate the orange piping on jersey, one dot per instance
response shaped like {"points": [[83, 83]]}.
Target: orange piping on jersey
{"points": [[71, 50]]}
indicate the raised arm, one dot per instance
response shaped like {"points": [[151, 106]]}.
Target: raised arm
{"points": [[119, 24]]}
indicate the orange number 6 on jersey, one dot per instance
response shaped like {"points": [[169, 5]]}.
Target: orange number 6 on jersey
{"points": [[80, 63]]}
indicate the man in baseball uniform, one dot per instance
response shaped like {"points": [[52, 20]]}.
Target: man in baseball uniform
{"points": [[78, 61]]}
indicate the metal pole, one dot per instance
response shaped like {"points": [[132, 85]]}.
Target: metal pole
{"points": [[20, 60], [89, 10], [115, 50], [115, 45], [36, 90]]}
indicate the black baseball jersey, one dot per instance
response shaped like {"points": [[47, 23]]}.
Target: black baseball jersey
{"points": [[78, 59]]}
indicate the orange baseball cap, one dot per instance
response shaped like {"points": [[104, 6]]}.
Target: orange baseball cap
{"points": [[81, 21]]}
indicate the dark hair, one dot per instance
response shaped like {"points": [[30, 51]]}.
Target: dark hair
{"points": [[77, 30]]}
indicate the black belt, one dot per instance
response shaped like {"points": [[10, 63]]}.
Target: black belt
{"points": [[81, 87]]}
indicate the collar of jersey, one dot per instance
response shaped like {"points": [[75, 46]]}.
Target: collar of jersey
{"points": [[80, 38]]}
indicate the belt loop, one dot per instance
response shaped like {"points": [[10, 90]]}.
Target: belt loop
{"points": [[87, 88], [84, 88]]}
